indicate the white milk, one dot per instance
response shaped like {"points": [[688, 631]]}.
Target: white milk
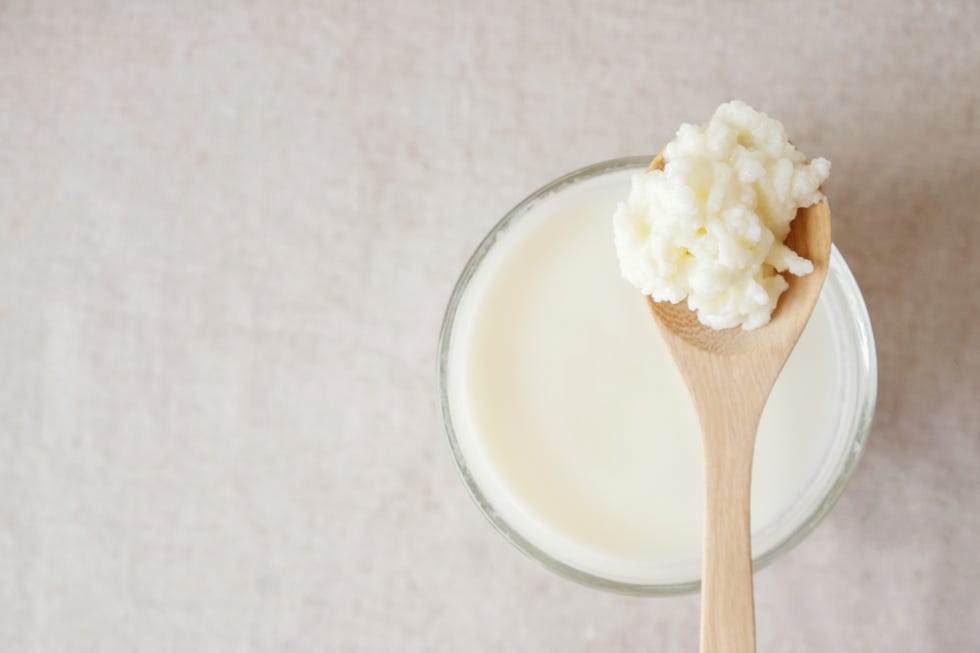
{"points": [[572, 418]]}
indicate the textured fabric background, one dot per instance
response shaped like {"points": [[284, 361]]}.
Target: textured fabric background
{"points": [[227, 234]]}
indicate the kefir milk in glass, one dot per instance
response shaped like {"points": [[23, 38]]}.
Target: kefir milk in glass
{"points": [[572, 419]]}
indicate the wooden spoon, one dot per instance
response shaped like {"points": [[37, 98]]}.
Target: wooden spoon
{"points": [[729, 374]]}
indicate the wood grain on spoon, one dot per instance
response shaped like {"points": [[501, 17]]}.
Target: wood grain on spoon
{"points": [[729, 374]]}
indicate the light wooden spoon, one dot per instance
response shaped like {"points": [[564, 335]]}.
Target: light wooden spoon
{"points": [[729, 375]]}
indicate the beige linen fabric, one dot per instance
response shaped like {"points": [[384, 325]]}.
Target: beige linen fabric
{"points": [[227, 234]]}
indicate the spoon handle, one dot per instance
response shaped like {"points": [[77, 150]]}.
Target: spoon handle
{"points": [[727, 605]]}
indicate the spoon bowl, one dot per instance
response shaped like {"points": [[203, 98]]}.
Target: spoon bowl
{"points": [[809, 237]]}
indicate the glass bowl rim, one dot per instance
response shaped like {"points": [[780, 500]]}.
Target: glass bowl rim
{"points": [[863, 421]]}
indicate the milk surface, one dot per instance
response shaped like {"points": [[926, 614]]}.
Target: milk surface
{"points": [[572, 418]]}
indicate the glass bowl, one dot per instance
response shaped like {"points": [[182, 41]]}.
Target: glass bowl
{"points": [[856, 349]]}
